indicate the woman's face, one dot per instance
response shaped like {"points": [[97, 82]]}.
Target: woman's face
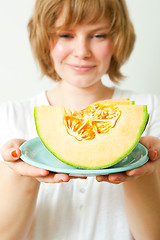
{"points": [[82, 54]]}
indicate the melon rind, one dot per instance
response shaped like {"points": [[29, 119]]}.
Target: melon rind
{"points": [[65, 147]]}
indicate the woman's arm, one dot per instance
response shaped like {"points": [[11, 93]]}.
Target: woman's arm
{"points": [[142, 201], [142, 193], [19, 185], [17, 203]]}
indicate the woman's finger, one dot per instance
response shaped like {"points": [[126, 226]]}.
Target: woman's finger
{"points": [[152, 144], [10, 151], [27, 170], [146, 169], [54, 178], [112, 178]]}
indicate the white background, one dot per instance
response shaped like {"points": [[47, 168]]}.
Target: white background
{"points": [[20, 76]]}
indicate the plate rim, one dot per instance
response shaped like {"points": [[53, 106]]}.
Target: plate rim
{"points": [[72, 171]]}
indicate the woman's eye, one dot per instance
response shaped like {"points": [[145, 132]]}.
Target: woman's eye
{"points": [[65, 36], [100, 36]]}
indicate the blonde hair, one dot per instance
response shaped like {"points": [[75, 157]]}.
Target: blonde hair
{"points": [[42, 27]]}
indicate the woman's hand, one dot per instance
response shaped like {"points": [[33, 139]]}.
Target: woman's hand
{"points": [[11, 155], [153, 146]]}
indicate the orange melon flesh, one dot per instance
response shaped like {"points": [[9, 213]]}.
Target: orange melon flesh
{"points": [[96, 137]]}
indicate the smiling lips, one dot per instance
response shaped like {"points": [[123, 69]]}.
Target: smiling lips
{"points": [[81, 68]]}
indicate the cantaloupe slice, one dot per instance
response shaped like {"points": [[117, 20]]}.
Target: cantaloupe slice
{"points": [[116, 101], [96, 137]]}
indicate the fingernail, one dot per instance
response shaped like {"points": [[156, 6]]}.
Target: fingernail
{"points": [[61, 180], [14, 154], [44, 172], [116, 180], [155, 155]]}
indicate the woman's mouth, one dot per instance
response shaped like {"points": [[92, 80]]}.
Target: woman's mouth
{"points": [[81, 68]]}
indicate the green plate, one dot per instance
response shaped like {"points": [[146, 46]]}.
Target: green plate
{"points": [[35, 153]]}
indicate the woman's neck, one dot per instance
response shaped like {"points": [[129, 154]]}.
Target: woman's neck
{"points": [[78, 98]]}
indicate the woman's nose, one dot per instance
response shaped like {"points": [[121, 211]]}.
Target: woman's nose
{"points": [[82, 48]]}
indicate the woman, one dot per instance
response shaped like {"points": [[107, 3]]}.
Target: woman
{"points": [[76, 43]]}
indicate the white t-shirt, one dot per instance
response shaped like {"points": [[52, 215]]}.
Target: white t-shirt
{"points": [[79, 209]]}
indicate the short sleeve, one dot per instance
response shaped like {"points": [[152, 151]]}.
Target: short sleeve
{"points": [[153, 128], [4, 125], [17, 118]]}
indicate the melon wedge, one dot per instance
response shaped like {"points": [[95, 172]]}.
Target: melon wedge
{"points": [[96, 137], [116, 101]]}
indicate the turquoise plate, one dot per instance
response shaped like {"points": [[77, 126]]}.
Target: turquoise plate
{"points": [[34, 153]]}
